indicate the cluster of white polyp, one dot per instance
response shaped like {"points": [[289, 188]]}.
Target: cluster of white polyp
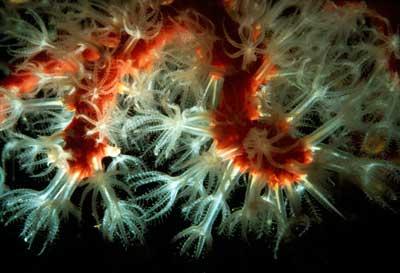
{"points": [[332, 85]]}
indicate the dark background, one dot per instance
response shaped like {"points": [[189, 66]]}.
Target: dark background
{"points": [[367, 239]]}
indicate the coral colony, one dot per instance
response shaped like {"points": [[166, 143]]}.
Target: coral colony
{"points": [[147, 104]]}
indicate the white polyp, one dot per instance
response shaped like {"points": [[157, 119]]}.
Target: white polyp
{"points": [[213, 204], [253, 202], [319, 196], [281, 206], [42, 210], [2, 181], [11, 109], [121, 219], [212, 91], [61, 187], [302, 108], [324, 131], [212, 212]]}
